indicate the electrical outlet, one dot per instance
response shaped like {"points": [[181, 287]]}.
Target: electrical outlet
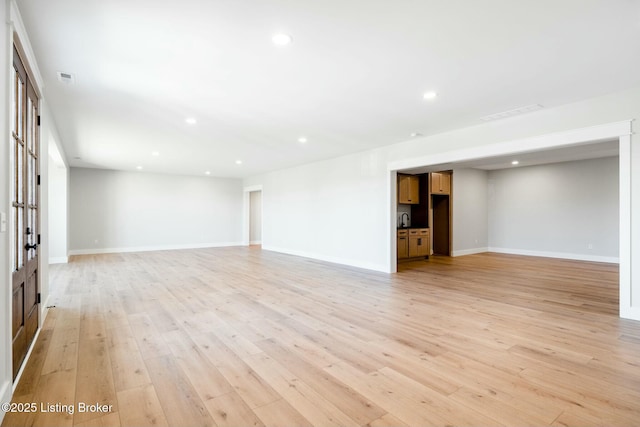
{"points": [[590, 246]]}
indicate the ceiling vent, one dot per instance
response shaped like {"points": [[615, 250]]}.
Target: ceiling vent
{"points": [[66, 78], [510, 113]]}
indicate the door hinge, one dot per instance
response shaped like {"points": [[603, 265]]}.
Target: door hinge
{"points": [[38, 179], [38, 120], [38, 239], [38, 298]]}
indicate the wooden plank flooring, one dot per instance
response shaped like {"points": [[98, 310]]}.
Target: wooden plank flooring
{"points": [[244, 337]]}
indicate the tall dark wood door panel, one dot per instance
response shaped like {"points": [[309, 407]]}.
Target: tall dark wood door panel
{"points": [[25, 147]]}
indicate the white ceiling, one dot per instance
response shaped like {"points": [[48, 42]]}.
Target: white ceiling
{"points": [[352, 79]]}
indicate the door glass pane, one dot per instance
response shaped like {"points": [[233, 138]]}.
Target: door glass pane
{"points": [[29, 137], [20, 172], [14, 100], [19, 114], [14, 246], [30, 174], [20, 238]]}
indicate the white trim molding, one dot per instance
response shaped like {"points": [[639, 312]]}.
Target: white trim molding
{"points": [[335, 260], [59, 260], [625, 227], [472, 251], [587, 135], [559, 255], [152, 248], [25, 46]]}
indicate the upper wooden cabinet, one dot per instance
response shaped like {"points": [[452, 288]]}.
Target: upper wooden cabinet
{"points": [[408, 189], [440, 183]]}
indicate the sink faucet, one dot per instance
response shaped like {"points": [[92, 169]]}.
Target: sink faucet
{"points": [[402, 218]]}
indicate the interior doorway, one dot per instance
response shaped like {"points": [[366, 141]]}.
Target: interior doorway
{"points": [[252, 220], [255, 218]]}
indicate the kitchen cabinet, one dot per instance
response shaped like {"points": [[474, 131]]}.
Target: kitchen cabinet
{"points": [[403, 244], [408, 189], [440, 183], [419, 242], [413, 242]]}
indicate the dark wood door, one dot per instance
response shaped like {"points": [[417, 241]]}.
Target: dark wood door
{"points": [[25, 147], [441, 225]]}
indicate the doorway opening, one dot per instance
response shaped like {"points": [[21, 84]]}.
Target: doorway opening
{"points": [[255, 218], [618, 132], [252, 224]]}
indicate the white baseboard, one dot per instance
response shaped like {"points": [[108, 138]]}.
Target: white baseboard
{"points": [[59, 260], [152, 248], [469, 251], [562, 255], [44, 310], [255, 242], [335, 260], [631, 313]]}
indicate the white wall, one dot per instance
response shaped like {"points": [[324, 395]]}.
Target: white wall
{"points": [[5, 293], [557, 209], [255, 231], [332, 210], [126, 211], [470, 211], [58, 183]]}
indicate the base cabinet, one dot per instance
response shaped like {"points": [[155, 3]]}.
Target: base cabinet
{"points": [[413, 243], [419, 242], [403, 244]]}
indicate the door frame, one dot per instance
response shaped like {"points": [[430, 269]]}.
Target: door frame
{"points": [[18, 38], [30, 183], [621, 131], [246, 217]]}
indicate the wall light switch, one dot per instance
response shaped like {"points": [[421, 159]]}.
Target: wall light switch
{"points": [[3, 222]]}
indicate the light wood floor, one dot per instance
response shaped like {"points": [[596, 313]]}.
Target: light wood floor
{"points": [[242, 337]]}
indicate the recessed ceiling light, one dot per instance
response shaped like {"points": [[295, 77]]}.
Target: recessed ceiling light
{"points": [[515, 162], [238, 162], [191, 120], [139, 168], [430, 95], [207, 173], [415, 134], [281, 39], [302, 140], [155, 153]]}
